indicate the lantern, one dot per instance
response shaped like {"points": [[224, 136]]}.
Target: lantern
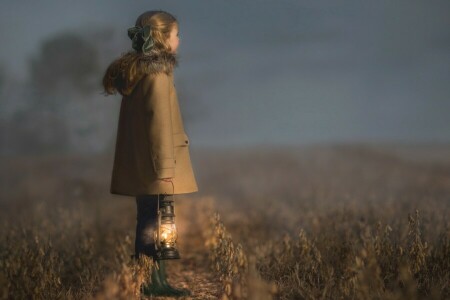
{"points": [[166, 232]]}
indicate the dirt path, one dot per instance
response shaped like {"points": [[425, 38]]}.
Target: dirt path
{"points": [[192, 270]]}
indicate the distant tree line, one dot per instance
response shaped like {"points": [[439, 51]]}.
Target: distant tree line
{"points": [[59, 108]]}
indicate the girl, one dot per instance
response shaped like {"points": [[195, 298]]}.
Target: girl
{"points": [[152, 148]]}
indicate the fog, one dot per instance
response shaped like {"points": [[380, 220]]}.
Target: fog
{"points": [[250, 73]]}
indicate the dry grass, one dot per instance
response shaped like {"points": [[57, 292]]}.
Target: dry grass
{"points": [[335, 223], [53, 252], [317, 223]]}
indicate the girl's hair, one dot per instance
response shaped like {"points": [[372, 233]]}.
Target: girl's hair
{"points": [[124, 72]]}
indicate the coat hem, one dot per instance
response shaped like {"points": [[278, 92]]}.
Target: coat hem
{"points": [[130, 194]]}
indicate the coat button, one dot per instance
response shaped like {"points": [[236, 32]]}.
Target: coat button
{"points": [[186, 142]]}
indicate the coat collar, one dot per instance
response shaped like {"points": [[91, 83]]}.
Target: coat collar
{"points": [[157, 63], [163, 62]]}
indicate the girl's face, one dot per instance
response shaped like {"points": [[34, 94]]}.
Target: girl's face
{"points": [[174, 39]]}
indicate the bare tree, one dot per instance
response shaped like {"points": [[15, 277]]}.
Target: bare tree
{"points": [[64, 60]]}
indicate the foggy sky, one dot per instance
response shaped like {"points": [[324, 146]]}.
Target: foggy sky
{"points": [[282, 72]]}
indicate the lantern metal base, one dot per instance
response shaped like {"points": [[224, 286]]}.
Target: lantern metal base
{"points": [[169, 253]]}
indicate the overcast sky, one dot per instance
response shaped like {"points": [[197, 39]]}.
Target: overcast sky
{"points": [[254, 72]]}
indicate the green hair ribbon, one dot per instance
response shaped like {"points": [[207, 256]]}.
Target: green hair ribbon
{"points": [[141, 35]]}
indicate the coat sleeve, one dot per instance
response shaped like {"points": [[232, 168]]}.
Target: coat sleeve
{"points": [[159, 123]]}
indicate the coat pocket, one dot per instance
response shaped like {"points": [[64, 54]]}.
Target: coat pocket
{"points": [[180, 139]]}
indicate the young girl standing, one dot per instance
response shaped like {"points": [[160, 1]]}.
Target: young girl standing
{"points": [[152, 157]]}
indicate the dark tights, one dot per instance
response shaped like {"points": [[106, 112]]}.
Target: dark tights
{"points": [[147, 219]]}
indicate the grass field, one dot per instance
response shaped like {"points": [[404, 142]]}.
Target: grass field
{"points": [[328, 222]]}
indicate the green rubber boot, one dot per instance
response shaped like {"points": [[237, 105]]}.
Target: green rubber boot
{"points": [[155, 287], [164, 282], [160, 286]]}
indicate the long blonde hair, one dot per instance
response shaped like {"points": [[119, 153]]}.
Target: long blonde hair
{"points": [[124, 72]]}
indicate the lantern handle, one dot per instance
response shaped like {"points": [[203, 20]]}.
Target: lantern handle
{"points": [[158, 241], [173, 192]]}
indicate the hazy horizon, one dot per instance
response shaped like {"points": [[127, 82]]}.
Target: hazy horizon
{"points": [[250, 73]]}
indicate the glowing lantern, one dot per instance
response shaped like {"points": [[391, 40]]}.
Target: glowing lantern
{"points": [[166, 232]]}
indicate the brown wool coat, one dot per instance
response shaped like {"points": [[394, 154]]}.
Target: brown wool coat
{"points": [[151, 142]]}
